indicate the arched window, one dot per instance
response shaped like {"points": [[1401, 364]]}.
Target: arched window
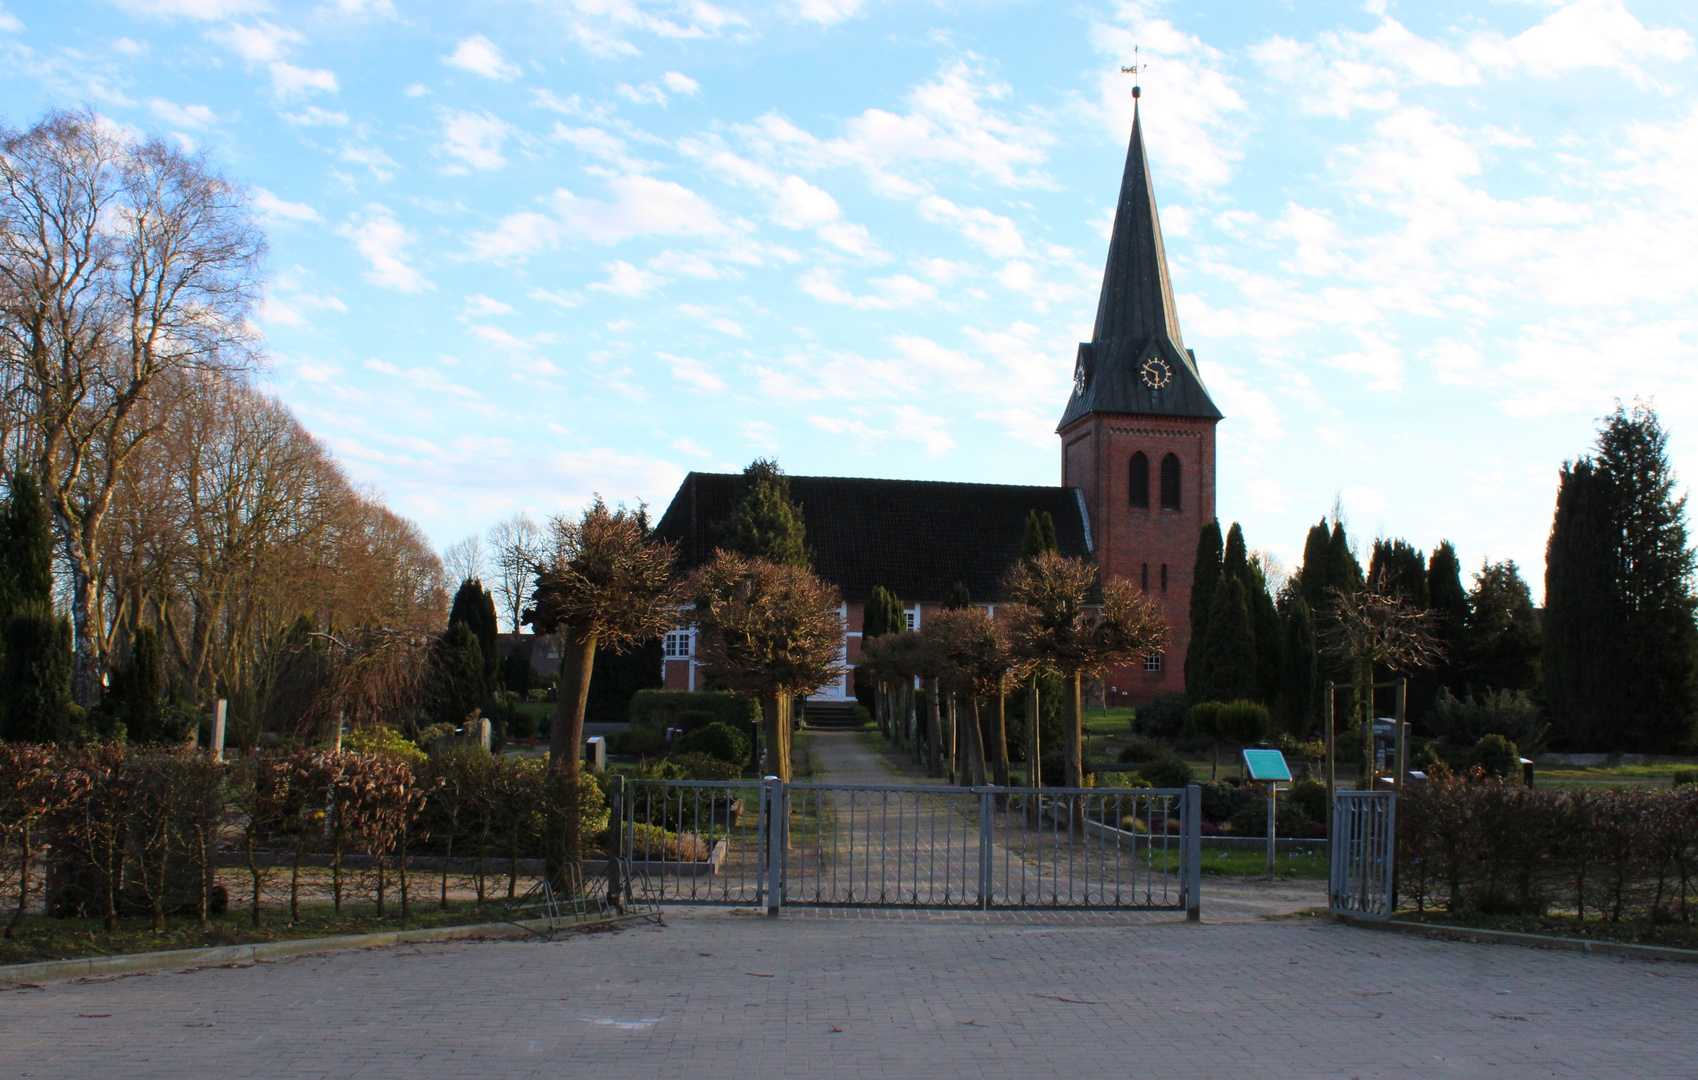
{"points": [[1140, 483], [1170, 482], [1163, 577], [1146, 579]]}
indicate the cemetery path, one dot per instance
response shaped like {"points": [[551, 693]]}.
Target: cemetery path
{"points": [[860, 993]]}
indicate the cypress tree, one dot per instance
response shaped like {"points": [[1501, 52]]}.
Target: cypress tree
{"points": [[26, 546], [1039, 535], [1399, 567], [958, 598], [1205, 578], [141, 689], [1502, 632], [1581, 649], [1228, 662], [460, 672], [1312, 578], [1235, 558], [765, 523], [1658, 686], [1299, 669], [1344, 573], [1448, 602], [37, 691], [474, 605], [1264, 622]]}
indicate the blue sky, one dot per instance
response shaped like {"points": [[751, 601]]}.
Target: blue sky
{"points": [[522, 252]]}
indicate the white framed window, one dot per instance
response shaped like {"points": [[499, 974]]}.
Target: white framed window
{"points": [[912, 617], [680, 643], [1152, 662]]}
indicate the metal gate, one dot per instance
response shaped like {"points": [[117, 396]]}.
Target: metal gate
{"points": [[773, 843], [1364, 837]]}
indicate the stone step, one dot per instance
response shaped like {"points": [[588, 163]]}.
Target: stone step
{"points": [[830, 714]]}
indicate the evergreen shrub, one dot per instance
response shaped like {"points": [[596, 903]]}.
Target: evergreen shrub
{"points": [[1497, 756], [1163, 718], [1166, 772], [1310, 797], [716, 740]]}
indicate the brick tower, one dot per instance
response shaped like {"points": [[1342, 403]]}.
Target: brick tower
{"points": [[1138, 436]]}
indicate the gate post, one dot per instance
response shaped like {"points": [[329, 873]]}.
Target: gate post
{"points": [[775, 819], [1193, 841], [616, 846], [986, 808]]}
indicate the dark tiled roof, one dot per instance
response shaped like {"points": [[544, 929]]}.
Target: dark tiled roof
{"points": [[915, 537], [1136, 316]]}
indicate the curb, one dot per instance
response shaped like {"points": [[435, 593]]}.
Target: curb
{"points": [[1528, 941], [262, 952]]}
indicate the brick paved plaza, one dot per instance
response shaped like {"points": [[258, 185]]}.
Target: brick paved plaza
{"points": [[928, 995]]}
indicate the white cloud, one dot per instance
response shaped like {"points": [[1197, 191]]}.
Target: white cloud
{"points": [[257, 43], [605, 27], [726, 326], [688, 370], [798, 204], [313, 116], [383, 242], [382, 166], [481, 305], [899, 291], [198, 117], [680, 83], [623, 279], [481, 56], [191, 9], [641, 206], [828, 12], [274, 209], [556, 297], [997, 235], [11, 24], [474, 140], [287, 80]]}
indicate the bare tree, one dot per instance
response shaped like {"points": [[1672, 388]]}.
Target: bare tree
{"points": [[464, 559], [1055, 627], [121, 262], [515, 548], [772, 632]]}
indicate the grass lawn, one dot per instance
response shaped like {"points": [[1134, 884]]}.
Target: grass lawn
{"points": [[41, 938], [1596, 776], [1254, 864]]}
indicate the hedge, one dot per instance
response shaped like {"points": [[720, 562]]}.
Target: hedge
{"points": [[690, 709], [1495, 847]]}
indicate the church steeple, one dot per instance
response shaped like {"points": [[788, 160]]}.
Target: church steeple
{"points": [[1136, 361]]}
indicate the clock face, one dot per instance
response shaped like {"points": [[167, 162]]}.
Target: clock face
{"points": [[1078, 381], [1156, 373]]}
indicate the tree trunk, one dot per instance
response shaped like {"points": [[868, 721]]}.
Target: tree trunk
{"points": [[951, 737], [1072, 763], [972, 763], [775, 721], [934, 730], [999, 740], [566, 735]]}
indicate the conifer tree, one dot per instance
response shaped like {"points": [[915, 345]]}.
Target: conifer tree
{"points": [[1264, 622], [958, 598], [26, 546], [37, 690], [460, 672], [1312, 579], [1205, 578], [1235, 558], [1619, 596], [1039, 536], [1502, 632], [474, 605], [1299, 670], [1397, 566], [1227, 666], [140, 686], [1448, 602], [765, 524], [1344, 573], [884, 614]]}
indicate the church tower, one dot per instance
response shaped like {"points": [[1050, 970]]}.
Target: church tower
{"points": [[1138, 435]]}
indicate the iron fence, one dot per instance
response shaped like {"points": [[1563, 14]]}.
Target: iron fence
{"points": [[777, 843]]}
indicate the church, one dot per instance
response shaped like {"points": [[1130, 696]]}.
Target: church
{"points": [[1137, 484]]}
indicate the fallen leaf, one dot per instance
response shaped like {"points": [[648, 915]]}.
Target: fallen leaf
{"points": [[837, 1029], [1071, 1001], [761, 974]]}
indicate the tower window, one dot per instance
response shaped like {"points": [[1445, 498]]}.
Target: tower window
{"points": [[1146, 580], [1170, 482], [1163, 577], [1140, 482]]}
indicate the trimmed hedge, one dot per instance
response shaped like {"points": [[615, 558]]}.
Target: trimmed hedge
{"points": [[690, 709]]}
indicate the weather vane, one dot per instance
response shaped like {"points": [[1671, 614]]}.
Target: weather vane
{"points": [[1133, 71]]}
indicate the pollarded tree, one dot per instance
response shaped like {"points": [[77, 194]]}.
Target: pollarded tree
{"points": [[973, 663], [882, 614], [1055, 625], [770, 631], [609, 584], [765, 523], [1367, 628]]}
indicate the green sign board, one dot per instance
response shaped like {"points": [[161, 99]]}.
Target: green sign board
{"points": [[1266, 765]]}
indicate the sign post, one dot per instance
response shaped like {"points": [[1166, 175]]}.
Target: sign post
{"points": [[1270, 766]]}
